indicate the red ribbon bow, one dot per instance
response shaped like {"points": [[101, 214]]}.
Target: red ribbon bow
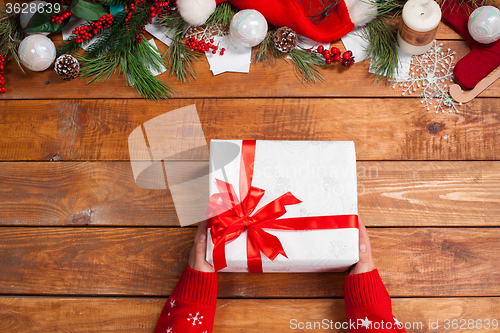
{"points": [[229, 217]]}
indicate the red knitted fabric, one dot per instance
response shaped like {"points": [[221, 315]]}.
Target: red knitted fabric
{"points": [[191, 306], [368, 305], [482, 59]]}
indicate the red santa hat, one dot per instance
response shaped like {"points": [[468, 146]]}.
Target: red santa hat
{"points": [[309, 18]]}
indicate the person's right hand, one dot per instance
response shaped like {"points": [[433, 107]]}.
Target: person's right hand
{"points": [[365, 263]]}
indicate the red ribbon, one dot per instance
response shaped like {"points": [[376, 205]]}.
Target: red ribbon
{"points": [[229, 217]]}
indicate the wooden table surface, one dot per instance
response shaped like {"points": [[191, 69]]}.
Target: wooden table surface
{"points": [[83, 249]]}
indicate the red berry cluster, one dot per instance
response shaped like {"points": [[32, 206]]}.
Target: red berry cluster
{"points": [[334, 55], [133, 9], [202, 46], [162, 7], [140, 35], [85, 32], [59, 18], [2, 88]]}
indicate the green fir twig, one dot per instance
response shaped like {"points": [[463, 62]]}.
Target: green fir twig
{"points": [[139, 74], [11, 35], [222, 15], [116, 48], [180, 59], [382, 51], [267, 50], [306, 66], [100, 68]]}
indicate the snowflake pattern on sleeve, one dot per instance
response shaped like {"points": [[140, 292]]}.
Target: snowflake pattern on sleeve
{"points": [[190, 308]]}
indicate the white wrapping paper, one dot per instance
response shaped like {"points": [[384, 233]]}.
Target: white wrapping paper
{"points": [[322, 174]]}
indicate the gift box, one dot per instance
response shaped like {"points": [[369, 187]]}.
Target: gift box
{"points": [[282, 206]]}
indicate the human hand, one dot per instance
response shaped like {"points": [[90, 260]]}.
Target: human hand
{"points": [[365, 263], [197, 259]]}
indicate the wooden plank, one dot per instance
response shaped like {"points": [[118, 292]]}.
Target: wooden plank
{"points": [[87, 315], [382, 129], [276, 81], [79, 193], [105, 194], [149, 261]]}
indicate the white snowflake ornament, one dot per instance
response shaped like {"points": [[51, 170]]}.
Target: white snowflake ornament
{"points": [[429, 74]]}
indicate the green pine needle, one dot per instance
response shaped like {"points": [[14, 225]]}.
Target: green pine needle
{"points": [[222, 15], [176, 23], [100, 68], [306, 66], [181, 60], [267, 50], [11, 35], [382, 51], [139, 74]]}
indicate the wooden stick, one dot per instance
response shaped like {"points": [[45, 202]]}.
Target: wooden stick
{"points": [[465, 96]]}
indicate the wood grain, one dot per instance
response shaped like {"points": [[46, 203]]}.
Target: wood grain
{"points": [[382, 129], [139, 315], [276, 81], [105, 194], [148, 262]]}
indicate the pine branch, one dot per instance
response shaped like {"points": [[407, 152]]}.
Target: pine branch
{"points": [[305, 63], [381, 35], [387, 8], [11, 35], [100, 68], [306, 66], [470, 4], [140, 76], [222, 15], [126, 31], [267, 50], [176, 23], [181, 60], [69, 46], [104, 41]]}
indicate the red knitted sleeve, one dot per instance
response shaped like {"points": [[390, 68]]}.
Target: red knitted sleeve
{"points": [[191, 306], [368, 305]]}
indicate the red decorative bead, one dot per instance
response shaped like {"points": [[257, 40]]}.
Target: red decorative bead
{"points": [[346, 55], [329, 61], [320, 49], [335, 51], [337, 58]]}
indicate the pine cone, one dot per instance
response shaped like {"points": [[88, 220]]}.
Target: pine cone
{"points": [[67, 67], [285, 39]]}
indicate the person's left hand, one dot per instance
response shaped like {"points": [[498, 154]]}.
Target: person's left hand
{"points": [[197, 259]]}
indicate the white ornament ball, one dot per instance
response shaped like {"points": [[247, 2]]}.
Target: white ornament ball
{"points": [[248, 28], [484, 24], [37, 52]]}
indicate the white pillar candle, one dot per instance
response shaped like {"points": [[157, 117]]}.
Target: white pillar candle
{"points": [[418, 29]]}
